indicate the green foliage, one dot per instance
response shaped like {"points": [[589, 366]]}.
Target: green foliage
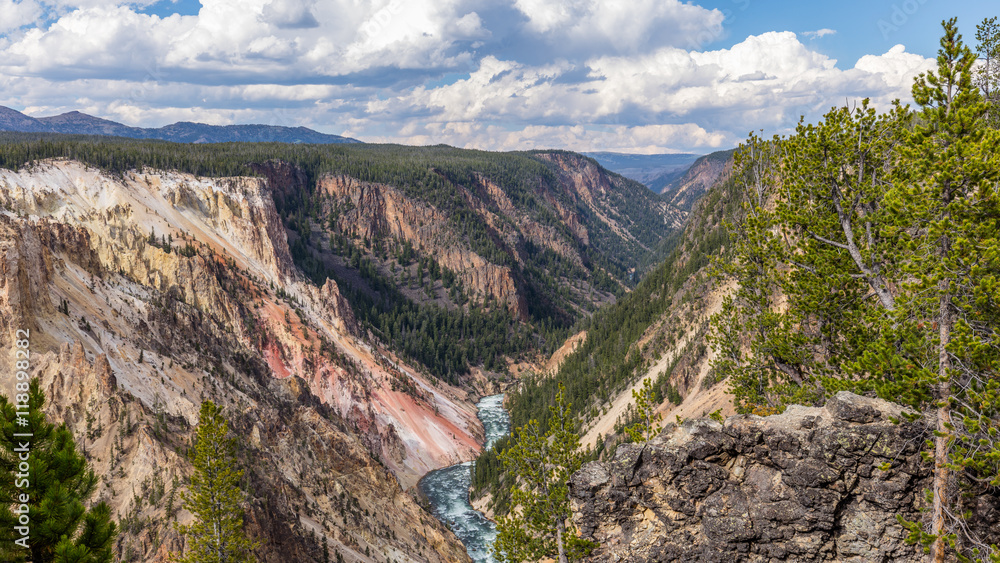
{"points": [[649, 420], [214, 497], [488, 476], [810, 254], [541, 466], [446, 341], [867, 256], [62, 528]]}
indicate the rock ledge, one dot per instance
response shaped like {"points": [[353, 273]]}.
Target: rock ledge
{"points": [[806, 485]]}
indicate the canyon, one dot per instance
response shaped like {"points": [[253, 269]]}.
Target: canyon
{"points": [[150, 291]]}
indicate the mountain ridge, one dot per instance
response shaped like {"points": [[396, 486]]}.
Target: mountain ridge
{"points": [[684, 189], [78, 123]]}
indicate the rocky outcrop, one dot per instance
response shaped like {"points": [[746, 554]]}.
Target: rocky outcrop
{"points": [[23, 269], [811, 484]]}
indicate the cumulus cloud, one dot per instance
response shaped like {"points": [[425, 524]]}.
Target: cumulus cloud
{"points": [[290, 14], [15, 14], [763, 81], [589, 26], [896, 68], [578, 74], [647, 139]]}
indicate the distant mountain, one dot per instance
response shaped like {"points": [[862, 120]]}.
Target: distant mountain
{"points": [[644, 168], [684, 189], [77, 123], [12, 120]]}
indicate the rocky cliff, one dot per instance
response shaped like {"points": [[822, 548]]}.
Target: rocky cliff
{"points": [[147, 293], [811, 484], [378, 212]]}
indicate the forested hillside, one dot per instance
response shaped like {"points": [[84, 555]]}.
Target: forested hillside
{"points": [[77, 123], [683, 190]]}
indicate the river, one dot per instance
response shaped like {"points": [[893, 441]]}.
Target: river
{"points": [[448, 488]]}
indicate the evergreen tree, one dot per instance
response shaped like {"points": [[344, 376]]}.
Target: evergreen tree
{"points": [[757, 348], [58, 483], [946, 207], [648, 425], [215, 497], [988, 74], [541, 465]]}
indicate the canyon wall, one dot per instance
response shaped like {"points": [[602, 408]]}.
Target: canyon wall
{"points": [[148, 293]]}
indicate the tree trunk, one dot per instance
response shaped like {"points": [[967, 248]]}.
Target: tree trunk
{"points": [[560, 533], [940, 486]]}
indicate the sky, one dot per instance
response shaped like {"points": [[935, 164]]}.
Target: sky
{"points": [[638, 76]]}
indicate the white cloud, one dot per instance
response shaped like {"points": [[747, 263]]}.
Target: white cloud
{"points": [[15, 14], [897, 68], [591, 74], [819, 33], [290, 14], [626, 27], [763, 81], [648, 139]]}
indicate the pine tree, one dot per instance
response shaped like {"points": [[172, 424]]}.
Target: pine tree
{"points": [[59, 483], [988, 74], [214, 497], [649, 420], [757, 348], [946, 204], [541, 465]]}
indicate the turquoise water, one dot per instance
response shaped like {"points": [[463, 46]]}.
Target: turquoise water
{"points": [[448, 488]]}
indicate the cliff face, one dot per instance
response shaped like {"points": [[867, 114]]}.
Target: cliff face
{"points": [[684, 191], [148, 293], [377, 212], [806, 485], [588, 185], [557, 240]]}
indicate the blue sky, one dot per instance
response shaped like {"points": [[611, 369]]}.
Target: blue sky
{"points": [[642, 76], [862, 27]]}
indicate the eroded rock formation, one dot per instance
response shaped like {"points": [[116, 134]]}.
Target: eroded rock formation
{"points": [[148, 293]]}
